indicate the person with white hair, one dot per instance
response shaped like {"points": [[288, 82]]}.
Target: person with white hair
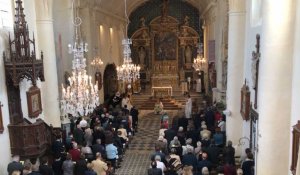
{"points": [[205, 171], [174, 143], [161, 144], [15, 165], [160, 164], [239, 171], [187, 146], [198, 149]]}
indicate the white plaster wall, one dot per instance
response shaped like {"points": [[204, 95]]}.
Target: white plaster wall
{"points": [[250, 42], [295, 110], [4, 137]]}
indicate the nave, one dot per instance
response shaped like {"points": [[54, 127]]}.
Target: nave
{"points": [[137, 157]]}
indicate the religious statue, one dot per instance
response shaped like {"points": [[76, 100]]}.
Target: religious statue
{"points": [[186, 21], [188, 54], [142, 55], [142, 20]]}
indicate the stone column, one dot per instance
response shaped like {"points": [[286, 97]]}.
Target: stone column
{"points": [[296, 83], [235, 74], [50, 95], [274, 87]]}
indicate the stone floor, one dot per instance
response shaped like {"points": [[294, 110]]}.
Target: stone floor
{"points": [[137, 157]]}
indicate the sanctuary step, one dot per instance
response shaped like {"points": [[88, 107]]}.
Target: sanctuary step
{"points": [[169, 104], [144, 101]]}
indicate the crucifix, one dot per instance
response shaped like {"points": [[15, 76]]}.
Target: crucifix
{"points": [[255, 68]]}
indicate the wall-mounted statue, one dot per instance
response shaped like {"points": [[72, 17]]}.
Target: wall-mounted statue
{"points": [[142, 55], [186, 21], [142, 22], [188, 53]]}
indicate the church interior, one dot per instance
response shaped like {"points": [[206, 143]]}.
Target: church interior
{"points": [[160, 86]]}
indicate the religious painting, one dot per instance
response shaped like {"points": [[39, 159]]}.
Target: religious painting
{"points": [[1, 120], [34, 102], [165, 46], [245, 102]]}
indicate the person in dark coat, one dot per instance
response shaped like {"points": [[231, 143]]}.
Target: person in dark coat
{"points": [[80, 166], [135, 117], [44, 168], [182, 121], [78, 135], [190, 159], [57, 165], [58, 146], [229, 152], [15, 165], [204, 162], [98, 147], [248, 165], [213, 152], [210, 118], [154, 170], [170, 134], [90, 170]]}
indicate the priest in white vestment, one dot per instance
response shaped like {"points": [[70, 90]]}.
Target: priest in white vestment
{"points": [[188, 107]]}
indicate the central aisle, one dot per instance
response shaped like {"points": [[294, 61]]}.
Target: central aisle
{"points": [[137, 157]]}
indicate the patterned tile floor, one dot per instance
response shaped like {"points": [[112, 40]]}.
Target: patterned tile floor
{"points": [[137, 157]]}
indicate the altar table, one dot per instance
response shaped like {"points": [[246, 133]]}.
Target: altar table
{"points": [[168, 89]]}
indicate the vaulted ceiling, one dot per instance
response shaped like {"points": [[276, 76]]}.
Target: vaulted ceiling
{"points": [[117, 6]]}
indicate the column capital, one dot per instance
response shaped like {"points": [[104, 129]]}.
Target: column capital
{"points": [[237, 6]]}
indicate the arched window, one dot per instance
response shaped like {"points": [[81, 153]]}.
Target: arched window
{"points": [[256, 13], [6, 17]]}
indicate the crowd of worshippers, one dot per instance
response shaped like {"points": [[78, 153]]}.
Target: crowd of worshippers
{"points": [[197, 146], [95, 145]]}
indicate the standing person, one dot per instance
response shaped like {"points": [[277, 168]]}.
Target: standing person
{"points": [[135, 117], [111, 154], [248, 165], [98, 165], [44, 168], [229, 152], [68, 166], [15, 165], [154, 170], [188, 107]]}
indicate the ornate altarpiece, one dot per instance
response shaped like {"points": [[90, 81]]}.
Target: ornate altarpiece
{"points": [[156, 48]]}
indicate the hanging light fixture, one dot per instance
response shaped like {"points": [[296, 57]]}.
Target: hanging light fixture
{"points": [[199, 61], [127, 72], [81, 96], [96, 63]]}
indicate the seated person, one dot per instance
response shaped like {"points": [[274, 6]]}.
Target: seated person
{"points": [[154, 169], [158, 107], [218, 138], [123, 132]]}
